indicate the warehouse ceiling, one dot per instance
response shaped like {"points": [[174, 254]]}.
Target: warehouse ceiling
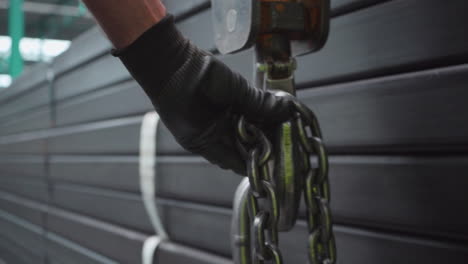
{"points": [[56, 19], [44, 22]]}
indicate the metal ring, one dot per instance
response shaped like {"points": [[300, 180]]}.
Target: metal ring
{"points": [[240, 225], [323, 164], [325, 220], [253, 174], [243, 131], [274, 253], [314, 254], [309, 117], [259, 226], [274, 210]]}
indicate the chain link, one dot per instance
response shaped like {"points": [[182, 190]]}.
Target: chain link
{"points": [[322, 249], [256, 149]]}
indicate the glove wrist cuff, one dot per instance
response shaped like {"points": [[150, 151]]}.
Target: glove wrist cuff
{"points": [[162, 36], [156, 56]]}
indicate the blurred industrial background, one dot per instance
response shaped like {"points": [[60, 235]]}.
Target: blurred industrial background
{"points": [[389, 90], [34, 31]]}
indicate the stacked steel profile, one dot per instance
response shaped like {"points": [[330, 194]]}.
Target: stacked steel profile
{"points": [[389, 88]]}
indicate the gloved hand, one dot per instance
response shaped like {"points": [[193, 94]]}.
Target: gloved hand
{"points": [[197, 96]]}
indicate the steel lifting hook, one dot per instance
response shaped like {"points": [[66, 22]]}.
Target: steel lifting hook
{"points": [[279, 30]]}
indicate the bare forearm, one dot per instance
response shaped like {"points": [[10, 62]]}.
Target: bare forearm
{"points": [[125, 20]]}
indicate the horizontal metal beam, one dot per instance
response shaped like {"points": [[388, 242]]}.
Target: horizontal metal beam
{"points": [[48, 9]]}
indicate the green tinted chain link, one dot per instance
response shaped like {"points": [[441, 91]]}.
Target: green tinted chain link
{"points": [[322, 248], [257, 151]]}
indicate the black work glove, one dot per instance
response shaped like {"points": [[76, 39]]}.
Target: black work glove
{"points": [[197, 96]]}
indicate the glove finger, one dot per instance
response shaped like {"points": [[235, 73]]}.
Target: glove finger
{"points": [[217, 145], [223, 150], [270, 107], [226, 158]]}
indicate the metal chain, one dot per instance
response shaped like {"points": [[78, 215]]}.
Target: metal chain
{"points": [[322, 248], [257, 151]]}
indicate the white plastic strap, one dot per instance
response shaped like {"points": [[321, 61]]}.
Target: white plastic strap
{"points": [[147, 166], [149, 249]]}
